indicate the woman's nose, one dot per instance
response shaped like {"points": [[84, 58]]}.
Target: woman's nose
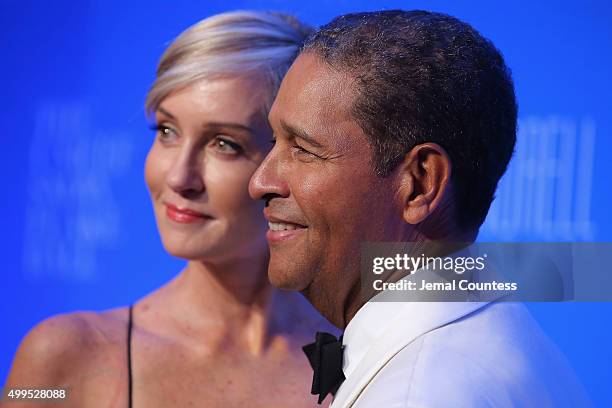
{"points": [[186, 176]]}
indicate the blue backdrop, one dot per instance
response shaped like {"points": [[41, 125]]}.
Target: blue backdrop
{"points": [[79, 232]]}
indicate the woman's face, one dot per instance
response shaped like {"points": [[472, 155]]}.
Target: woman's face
{"points": [[210, 139]]}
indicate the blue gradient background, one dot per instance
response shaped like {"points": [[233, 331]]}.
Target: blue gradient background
{"points": [[79, 232]]}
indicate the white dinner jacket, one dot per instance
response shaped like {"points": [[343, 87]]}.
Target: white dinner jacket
{"points": [[461, 354]]}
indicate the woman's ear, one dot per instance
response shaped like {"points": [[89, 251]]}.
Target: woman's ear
{"points": [[424, 176]]}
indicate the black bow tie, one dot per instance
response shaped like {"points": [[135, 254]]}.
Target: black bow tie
{"points": [[325, 356]]}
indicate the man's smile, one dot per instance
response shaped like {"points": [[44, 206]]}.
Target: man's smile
{"points": [[281, 228]]}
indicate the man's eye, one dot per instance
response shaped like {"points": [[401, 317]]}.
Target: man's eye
{"points": [[226, 146], [303, 153]]}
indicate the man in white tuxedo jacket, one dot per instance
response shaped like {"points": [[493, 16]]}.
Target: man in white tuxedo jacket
{"points": [[446, 354], [396, 126]]}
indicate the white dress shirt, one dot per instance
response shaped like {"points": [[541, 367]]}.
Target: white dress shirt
{"points": [[453, 354]]}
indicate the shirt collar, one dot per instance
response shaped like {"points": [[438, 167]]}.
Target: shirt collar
{"points": [[376, 317], [368, 324]]}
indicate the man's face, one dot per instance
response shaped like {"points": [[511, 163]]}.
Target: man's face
{"points": [[324, 199]]}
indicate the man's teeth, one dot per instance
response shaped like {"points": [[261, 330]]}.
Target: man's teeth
{"points": [[281, 226]]}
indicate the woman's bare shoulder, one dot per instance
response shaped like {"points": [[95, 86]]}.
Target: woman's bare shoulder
{"points": [[63, 346]]}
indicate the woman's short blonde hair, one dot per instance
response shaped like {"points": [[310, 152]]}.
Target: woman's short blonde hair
{"points": [[234, 44]]}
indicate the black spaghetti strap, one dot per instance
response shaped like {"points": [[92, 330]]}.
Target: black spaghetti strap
{"points": [[129, 355]]}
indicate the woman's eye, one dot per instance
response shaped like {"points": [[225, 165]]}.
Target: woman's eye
{"points": [[226, 146], [164, 133]]}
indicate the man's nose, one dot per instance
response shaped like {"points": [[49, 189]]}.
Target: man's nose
{"points": [[268, 180], [186, 175]]}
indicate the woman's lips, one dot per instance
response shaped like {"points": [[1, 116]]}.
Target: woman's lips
{"points": [[185, 216]]}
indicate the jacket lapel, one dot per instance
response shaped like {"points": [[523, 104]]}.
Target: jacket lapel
{"points": [[413, 320]]}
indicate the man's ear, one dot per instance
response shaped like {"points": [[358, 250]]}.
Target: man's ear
{"points": [[424, 176]]}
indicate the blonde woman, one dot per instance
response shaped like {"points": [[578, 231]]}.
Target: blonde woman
{"points": [[218, 335]]}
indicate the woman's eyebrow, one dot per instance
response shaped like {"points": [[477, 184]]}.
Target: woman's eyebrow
{"points": [[221, 125], [165, 112], [212, 125]]}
